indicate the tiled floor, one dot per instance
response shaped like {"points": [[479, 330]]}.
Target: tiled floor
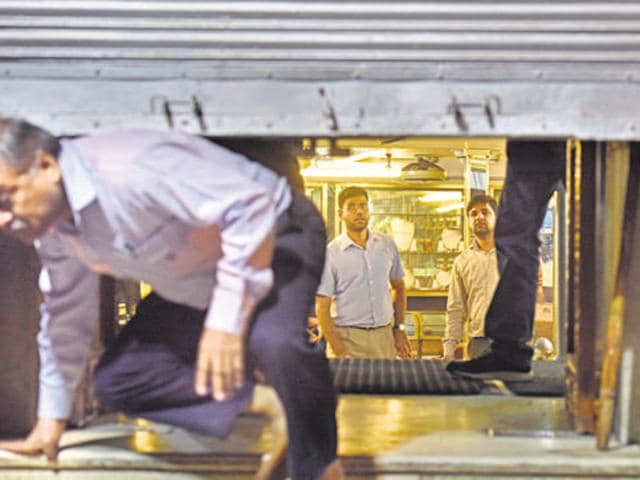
{"points": [[384, 437]]}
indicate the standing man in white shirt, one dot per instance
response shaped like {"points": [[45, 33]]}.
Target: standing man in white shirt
{"points": [[234, 257], [364, 275], [474, 278]]}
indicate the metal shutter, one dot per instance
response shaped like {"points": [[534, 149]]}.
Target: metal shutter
{"points": [[326, 67]]}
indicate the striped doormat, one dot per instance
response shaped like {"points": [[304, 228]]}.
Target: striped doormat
{"points": [[430, 377], [371, 375]]}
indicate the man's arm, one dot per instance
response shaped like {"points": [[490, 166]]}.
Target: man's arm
{"points": [[207, 188], [399, 295], [456, 312], [403, 347], [326, 291], [323, 312], [68, 324], [243, 278], [44, 438]]}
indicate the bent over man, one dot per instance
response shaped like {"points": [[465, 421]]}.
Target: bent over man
{"points": [[234, 257]]}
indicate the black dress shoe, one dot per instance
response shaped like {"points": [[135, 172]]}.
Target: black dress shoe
{"points": [[489, 366]]}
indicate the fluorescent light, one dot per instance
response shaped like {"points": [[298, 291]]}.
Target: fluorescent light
{"points": [[449, 208], [324, 169], [442, 196]]}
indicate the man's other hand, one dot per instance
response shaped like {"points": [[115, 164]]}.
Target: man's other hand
{"points": [[44, 438], [403, 347], [220, 363]]}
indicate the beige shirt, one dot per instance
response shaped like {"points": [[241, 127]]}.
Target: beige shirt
{"points": [[474, 279]]}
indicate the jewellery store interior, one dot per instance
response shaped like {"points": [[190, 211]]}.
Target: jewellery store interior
{"points": [[418, 191]]}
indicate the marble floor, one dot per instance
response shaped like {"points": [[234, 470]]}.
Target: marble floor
{"points": [[487, 436]]}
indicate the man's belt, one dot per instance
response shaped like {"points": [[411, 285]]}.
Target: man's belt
{"points": [[368, 327]]}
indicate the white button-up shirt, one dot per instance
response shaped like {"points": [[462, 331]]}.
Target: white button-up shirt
{"points": [[192, 219], [358, 279]]}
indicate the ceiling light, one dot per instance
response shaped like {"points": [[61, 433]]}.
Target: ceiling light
{"points": [[449, 208], [442, 196]]}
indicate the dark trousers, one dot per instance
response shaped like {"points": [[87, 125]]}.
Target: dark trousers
{"points": [[534, 171], [149, 371]]}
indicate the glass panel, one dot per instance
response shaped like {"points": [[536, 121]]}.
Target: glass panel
{"points": [[479, 181], [427, 226], [545, 325], [315, 195]]}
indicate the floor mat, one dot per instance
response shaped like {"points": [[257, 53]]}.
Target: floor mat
{"points": [[429, 376], [548, 380], [399, 376]]}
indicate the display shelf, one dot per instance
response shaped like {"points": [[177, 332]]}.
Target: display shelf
{"points": [[428, 239]]}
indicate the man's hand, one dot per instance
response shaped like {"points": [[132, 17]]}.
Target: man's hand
{"points": [[448, 356], [220, 363], [453, 352], [5, 218], [403, 347], [44, 438]]}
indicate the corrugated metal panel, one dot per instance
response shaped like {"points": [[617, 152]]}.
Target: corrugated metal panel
{"points": [[528, 67], [347, 31]]}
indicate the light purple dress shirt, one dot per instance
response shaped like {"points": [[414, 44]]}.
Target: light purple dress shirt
{"points": [[192, 219]]}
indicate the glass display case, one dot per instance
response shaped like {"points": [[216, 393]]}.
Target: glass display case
{"points": [[427, 227]]}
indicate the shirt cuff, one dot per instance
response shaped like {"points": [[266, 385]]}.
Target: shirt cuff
{"points": [[234, 301], [230, 315], [54, 402]]}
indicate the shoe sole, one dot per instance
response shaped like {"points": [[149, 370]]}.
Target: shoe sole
{"points": [[507, 376]]}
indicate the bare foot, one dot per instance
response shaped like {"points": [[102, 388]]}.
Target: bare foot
{"points": [[333, 471], [274, 463]]}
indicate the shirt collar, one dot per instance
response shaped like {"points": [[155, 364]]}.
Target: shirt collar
{"points": [[345, 241], [77, 181], [476, 247]]}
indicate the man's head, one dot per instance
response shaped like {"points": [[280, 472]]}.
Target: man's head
{"points": [[481, 211], [353, 208], [32, 197]]}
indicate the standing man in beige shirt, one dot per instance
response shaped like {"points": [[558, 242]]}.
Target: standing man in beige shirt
{"points": [[473, 281]]}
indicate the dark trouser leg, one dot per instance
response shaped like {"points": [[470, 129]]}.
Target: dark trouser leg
{"points": [[477, 345], [149, 371], [533, 172], [279, 347]]}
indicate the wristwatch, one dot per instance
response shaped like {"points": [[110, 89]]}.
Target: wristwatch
{"points": [[400, 326]]}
